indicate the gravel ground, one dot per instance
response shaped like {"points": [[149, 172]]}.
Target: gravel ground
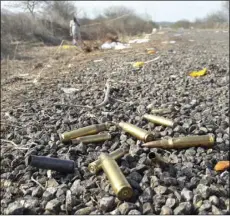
{"points": [[188, 184]]}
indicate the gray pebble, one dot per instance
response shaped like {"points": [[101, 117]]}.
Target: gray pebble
{"points": [[203, 190], [170, 202], [165, 210], [214, 200], [183, 208], [107, 203], [216, 211], [186, 195], [147, 208], [125, 207], [160, 189], [134, 212], [53, 206], [205, 206]]}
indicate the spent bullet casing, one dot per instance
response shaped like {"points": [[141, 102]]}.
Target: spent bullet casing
{"points": [[137, 132], [92, 138], [41, 162], [158, 120], [96, 166], [119, 183], [92, 129], [182, 142]]}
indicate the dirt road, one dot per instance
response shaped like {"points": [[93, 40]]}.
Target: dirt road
{"points": [[35, 109]]}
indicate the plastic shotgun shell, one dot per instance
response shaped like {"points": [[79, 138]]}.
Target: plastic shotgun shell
{"points": [[119, 183], [158, 120], [95, 166], [137, 132], [92, 129], [65, 166], [182, 142], [92, 138]]}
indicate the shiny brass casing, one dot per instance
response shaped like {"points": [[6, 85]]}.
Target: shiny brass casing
{"points": [[137, 132], [92, 138], [159, 120], [183, 142], [95, 166], [119, 183], [92, 129]]}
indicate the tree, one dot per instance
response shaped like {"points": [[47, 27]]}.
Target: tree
{"points": [[117, 11], [29, 6]]}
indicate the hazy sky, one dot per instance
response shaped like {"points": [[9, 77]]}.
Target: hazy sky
{"points": [[158, 10]]}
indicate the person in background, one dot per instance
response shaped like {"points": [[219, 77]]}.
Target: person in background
{"points": [[75, 31]]}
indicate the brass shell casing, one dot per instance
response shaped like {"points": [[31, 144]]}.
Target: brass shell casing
{"points": [[92, 138], [183, 142], [159, 120], [119, 183], [96, 166], [92, 129], [137, 132]]}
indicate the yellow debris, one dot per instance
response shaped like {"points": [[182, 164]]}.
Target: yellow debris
{"points": [[198, 73], [138, 64]]}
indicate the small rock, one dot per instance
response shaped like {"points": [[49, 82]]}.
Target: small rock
{"points": [[147, 208], [165, 210], [53, 206], [170, 202], [146, 196], [115, 212], [216, 211], [203, 190], [205, 206], [68, 202], [134, 212], [37, 192], [186, 194], [135, 176], [125, 207], [183, 208], [214, 200], [154, 182], [107, 203], [77, 188], [160, 189], [84, 211]]}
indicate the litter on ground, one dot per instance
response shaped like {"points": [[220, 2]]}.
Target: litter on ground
{"points": [[198, 73], [115, 45], [69, 90], [139, 41]]}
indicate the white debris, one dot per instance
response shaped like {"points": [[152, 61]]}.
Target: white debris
{"points": [[154, 31], [177, 35], [114, 45], [69, 90], [160, 33], [191, 40], [172, 42], [139, 41], [98, 60]]}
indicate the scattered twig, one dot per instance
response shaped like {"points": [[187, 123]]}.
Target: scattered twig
{"points": [[89, 107], [32, 179], [119, 100], [14, 144], [152, 60], [104, 102], [9, 141]]}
